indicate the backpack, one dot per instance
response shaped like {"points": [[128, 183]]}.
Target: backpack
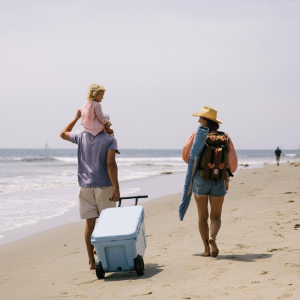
{"points": [[214, 157]]}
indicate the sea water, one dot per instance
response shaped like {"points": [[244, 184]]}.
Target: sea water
{"points": [[39, 184]]}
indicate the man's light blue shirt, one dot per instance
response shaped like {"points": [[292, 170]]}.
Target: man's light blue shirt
{"points": [[92, 157]]}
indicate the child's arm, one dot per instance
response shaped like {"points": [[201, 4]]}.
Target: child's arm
{"points": [[99, 113]]}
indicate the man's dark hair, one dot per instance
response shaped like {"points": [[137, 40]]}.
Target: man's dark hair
{"points": [[212, 126]]}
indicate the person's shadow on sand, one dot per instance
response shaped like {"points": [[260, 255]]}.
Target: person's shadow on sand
{"points": [[247, 257], [150, 270]]}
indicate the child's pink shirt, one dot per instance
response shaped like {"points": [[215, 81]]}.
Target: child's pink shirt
{"points": [[92, 117]]}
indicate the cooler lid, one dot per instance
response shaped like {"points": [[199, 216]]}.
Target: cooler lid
{"points": [[120, 223]]}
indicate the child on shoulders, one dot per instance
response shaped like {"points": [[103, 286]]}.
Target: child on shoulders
{"points": [[93, 119]]}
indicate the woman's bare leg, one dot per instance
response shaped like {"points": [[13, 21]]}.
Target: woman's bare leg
{"points": [[216, 204], [202, 202]]}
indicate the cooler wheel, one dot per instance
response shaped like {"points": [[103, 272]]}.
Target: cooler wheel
{"points": [[139, 265], [99, 270]]}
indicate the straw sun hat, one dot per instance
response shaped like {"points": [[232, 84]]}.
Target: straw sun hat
{"points": [[208, 113]]}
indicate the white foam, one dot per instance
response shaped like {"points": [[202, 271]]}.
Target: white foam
{"points": [[149, 159], [31, 211], [27, 183], [290, 154], [127, 191], [69, 178], [67, 159], [18, 211]]}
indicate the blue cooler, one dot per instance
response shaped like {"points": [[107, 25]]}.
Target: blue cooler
{"points": [[119, 238]]}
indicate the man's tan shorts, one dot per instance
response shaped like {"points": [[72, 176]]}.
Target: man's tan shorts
{"points": [[91, 201]]}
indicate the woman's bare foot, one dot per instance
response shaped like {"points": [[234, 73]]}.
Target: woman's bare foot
{"points": [[206, 253], [92, 266], [214, 247]]}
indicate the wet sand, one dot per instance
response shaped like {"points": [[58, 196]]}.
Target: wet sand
{"points": [[259, 246]]}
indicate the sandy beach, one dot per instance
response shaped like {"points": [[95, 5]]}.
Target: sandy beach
{"points": [[259, 250]]}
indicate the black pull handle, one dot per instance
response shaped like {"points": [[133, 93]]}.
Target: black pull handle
{"points": [[229, 173], [133, 197]]}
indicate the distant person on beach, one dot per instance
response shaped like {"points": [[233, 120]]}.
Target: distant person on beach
{"points": [[97, 176], [277, 154], [93, 119], [210, 175]]}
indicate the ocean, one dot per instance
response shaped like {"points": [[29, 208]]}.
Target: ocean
{"points": [[40, 184]]}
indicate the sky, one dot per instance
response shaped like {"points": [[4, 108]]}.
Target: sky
{"points": [[160, 61]]}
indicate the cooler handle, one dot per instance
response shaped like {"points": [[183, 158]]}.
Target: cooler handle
{"points": [[133, 197]]}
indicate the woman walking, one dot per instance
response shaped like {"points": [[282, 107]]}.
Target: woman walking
{"points": [[213, 160]]}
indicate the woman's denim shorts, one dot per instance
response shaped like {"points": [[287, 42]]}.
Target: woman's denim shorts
{"points": [[208, 187]]}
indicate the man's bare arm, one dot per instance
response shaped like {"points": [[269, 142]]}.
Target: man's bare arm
{"points": [[113, 174], [65, 134]]}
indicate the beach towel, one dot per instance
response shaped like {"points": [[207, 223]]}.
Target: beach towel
{"points": [[198, 145]]}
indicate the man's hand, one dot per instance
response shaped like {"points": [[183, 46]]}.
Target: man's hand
{"points": [[65, 134], [112, 169], [115, 196]]}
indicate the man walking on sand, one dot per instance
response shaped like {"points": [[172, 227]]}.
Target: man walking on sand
{"points": [[277, 153], [97, 176]]}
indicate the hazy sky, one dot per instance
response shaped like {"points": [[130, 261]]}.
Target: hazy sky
{"points": [[159, 61]]}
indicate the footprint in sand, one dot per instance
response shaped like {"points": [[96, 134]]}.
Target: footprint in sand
{"points": [[293, 265], [220, 271], [285, 295], [241, 246], [264, 273], [275, 249]]}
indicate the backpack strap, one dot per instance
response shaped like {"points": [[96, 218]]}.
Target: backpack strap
{"points": [[212, 157], [223, 155]]}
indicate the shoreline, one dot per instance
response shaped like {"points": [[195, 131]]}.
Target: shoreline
{"points": [[166, 184], [258, 242]]}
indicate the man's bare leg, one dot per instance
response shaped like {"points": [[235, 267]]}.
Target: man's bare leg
{"points": [[202, 202], [89, 227], [216, 204]]}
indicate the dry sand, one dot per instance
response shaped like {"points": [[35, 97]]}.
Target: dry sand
{"points": [[259, 251]]}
